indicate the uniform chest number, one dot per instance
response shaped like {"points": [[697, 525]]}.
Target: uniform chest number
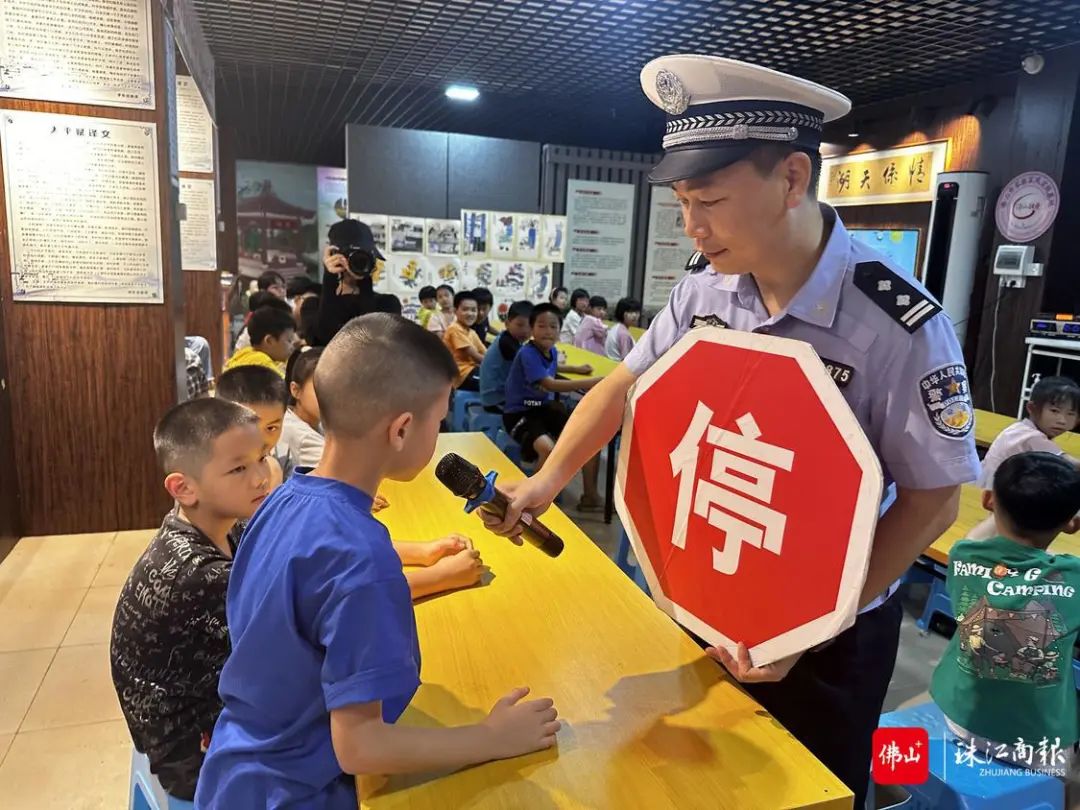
{"points": [[841, 374]]}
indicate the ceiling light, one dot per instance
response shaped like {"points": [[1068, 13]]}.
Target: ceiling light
{"points": [[853, 134], [462, 92]]}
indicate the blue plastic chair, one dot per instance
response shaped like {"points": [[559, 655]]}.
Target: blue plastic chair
{"points": [[146, 792], [463, 400], [936, 602], [960, 787], [481, 421]]}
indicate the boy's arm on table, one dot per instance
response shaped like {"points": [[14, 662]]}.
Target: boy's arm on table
{"points": [[449, 563], [567, 386], [585, 369], [365, 744]]}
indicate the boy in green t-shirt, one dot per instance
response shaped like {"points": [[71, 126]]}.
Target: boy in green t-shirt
{"points": [[1005, 682]]}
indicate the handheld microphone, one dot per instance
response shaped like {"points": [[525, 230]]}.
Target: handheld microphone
{"points": [[464, 479]]}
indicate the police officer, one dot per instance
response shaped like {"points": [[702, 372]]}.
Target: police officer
{"points": [[741, 156]]}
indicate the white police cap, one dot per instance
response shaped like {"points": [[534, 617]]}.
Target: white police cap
{"points": [[719, 110]]}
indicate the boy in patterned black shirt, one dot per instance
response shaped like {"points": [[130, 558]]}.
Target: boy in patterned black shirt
{"points": [[169, 635]]}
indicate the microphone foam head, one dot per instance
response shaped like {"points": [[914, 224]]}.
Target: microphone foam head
{"points": [[461, 477]]}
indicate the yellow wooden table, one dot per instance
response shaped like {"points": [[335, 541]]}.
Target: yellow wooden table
{"points": [[650, 722], [972, 514], [988, 425], [602, 365]]}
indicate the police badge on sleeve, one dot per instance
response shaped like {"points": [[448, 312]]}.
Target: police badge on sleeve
{"points": [[947, 399]]}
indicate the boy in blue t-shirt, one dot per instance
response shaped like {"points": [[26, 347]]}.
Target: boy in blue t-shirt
{"points": [[324, 648], [496, 366], [532, 415]]}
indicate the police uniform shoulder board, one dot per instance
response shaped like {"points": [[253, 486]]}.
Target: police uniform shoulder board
{"points": [[697, 262], [902, 301]]}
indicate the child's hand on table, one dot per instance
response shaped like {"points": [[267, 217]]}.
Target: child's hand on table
{"points": [[460, 570], [445, 547], [521, 728]]}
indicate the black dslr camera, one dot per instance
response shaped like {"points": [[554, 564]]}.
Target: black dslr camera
{"points": [[361, 261]]}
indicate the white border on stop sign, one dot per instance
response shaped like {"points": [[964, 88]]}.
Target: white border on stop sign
{"points": [[867, 504]]}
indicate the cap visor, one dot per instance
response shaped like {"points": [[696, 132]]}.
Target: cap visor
{"points": [[375, 252], [686, 163]]}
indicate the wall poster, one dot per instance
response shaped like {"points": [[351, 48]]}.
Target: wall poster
{"points": [[667, 250], [95, 181], [194, 129], [600, 221], [198, 229]]}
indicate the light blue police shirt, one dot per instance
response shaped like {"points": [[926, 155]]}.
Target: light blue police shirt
{"points": [[888, 345]]}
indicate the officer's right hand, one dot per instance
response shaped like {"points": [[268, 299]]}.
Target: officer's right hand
{"points": [[534, 494], [334, 262]]}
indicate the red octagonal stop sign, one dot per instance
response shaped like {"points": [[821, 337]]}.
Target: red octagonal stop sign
{"points": [[749, 492]]}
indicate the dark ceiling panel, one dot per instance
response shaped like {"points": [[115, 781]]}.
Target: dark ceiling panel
{"points": [[292, 73]]}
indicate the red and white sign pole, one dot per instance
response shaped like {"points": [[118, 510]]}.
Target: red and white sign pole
{"points": [[749, 492]]}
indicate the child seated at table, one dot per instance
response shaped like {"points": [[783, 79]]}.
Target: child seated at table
{"points": [[619, 341], [263, 391], [592, 333], [273, 337], [579, 302], [427, 305], [484, 302], [1053, 409], [440, 320], [464, 344], [1007, 674], [439, 565], [325, 655], [169, 638], [533, 416], [496, 365]]}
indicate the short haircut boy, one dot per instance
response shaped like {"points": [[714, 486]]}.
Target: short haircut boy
{"points": [[262, 298], [463, 296], [1060, 391], [410, 363], [269, 322], [252, 385], [167, 652], [522, 309], [483, 296], [1037, 493], [426, 293], [184, 437], [540, 309]]}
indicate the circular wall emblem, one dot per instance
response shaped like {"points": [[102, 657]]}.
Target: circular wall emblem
{"points": [[1027, 206], [673, 95]]}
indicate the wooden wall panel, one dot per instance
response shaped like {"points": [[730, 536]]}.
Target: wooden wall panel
{"points": [[89, 382], [9, 484], [202, 311]]}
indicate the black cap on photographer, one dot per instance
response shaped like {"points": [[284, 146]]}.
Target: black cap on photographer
{"points": [[352, 233]]}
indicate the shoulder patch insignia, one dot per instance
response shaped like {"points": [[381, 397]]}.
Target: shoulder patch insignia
{"points": [[947, 399], [697, 262], [901, 301], [708, 320], [842, 374]]}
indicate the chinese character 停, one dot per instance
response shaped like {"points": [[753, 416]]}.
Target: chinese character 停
{"points": [[721, 499]]}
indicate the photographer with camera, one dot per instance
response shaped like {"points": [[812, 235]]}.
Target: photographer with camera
{"points": [[348, 289]]}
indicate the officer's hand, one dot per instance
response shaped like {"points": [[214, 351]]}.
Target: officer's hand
{"points": [[533, 494], [335, 262], [743, 671]]}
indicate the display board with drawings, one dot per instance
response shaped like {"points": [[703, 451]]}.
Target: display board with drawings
{"points": [[460, 252]]}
